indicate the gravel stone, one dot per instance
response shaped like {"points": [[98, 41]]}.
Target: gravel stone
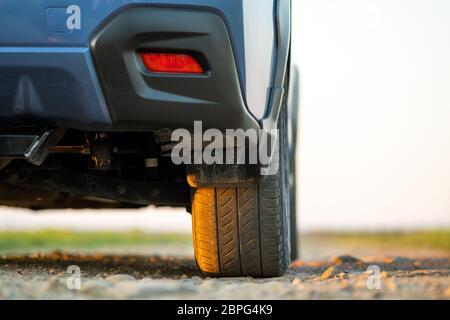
{"points": [[346, 260], [120, 278], [397, 260], [329, 273], [113, 276]]}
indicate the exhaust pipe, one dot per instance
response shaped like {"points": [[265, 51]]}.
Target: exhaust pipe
{"points": [[34, 148]]}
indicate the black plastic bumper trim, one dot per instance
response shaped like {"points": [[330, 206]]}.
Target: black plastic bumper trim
{"points": [[140, 100]]}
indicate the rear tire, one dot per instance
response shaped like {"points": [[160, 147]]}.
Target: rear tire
{"points": [[239, 231], [245, 231]]}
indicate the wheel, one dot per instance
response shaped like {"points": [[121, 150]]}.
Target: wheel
{"points": [[245, 231]]}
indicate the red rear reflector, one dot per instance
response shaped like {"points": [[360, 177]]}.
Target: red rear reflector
{"points": [[171, 63]]}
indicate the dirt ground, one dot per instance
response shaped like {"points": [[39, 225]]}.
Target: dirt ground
{"points": [[326, 271]]}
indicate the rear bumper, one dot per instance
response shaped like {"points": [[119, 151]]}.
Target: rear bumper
{"points": [[51, 86], [105, 86]]}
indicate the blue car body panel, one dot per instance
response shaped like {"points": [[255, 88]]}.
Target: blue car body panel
{"points": [[25, 22], [47, 69], [40, 81]]}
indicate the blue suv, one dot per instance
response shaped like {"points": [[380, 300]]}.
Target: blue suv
{"points": [[93, 91]]}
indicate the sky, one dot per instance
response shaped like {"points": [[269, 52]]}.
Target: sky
{"points": [[375, 112], [374, 150]]}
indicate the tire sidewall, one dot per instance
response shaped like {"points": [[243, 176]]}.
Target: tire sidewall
{"points": [[284, 182]]}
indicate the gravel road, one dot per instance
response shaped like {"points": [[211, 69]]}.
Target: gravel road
{"points": [[141, 274]]}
